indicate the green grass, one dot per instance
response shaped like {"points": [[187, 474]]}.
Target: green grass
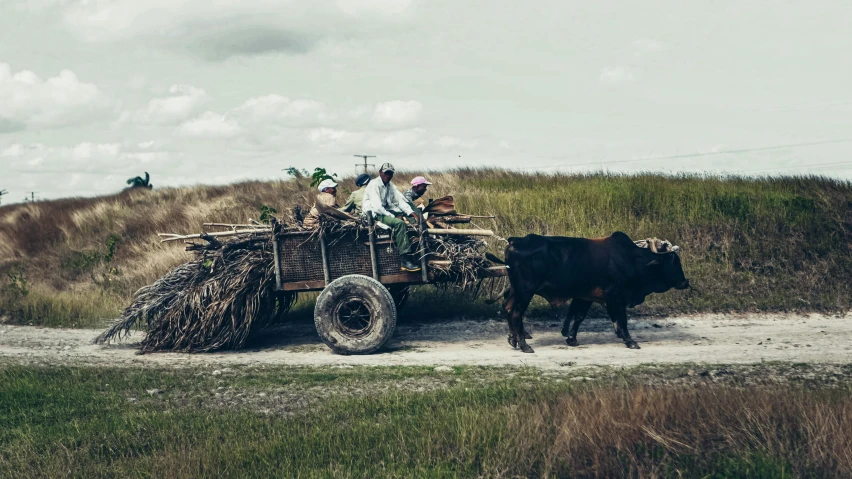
{"points": [[79, 422], [759, 244], [63, 309]]}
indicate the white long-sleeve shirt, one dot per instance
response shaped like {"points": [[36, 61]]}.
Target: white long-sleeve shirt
{"points": [[382, 199]]}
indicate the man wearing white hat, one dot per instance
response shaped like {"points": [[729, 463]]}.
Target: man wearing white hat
{"points": [[388, 207], [327, 196]]}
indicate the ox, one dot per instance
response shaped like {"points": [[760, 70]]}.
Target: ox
{"points": [[612, 271]]}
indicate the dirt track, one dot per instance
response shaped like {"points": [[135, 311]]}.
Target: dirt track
{"points": [[696, 339]]}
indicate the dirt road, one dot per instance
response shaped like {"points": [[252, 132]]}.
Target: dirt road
{"points": [[696, 339]]}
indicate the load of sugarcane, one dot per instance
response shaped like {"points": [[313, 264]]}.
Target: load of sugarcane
{"points": [[218, 300]]}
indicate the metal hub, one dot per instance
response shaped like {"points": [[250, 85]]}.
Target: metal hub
{"points": [[354, 317]]}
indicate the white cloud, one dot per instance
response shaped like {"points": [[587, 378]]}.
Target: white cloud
{"points": [[397, 114], [648, 45], [220, 30], [386, 8], [453, 143], [284, 111], [86, 150], [211, 125], [341, 141], [618, 74], [182, 102], [26, 100]]}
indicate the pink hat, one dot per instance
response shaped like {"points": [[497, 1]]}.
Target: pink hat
{"points": [[419, 181]]}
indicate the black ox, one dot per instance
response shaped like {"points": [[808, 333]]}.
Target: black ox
{"points": [[612, 271]]}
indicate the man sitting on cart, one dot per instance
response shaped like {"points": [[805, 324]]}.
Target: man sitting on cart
{"points": [[418, 189], [388, 206], [353, 204], [327, 197]]}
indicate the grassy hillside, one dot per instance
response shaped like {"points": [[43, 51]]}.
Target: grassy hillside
{"points": [[747, 244]]}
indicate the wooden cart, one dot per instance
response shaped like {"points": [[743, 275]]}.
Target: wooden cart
{"points": [[358, 274]]}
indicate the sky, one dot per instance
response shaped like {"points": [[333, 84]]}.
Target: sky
{"points": [[93, 92]]}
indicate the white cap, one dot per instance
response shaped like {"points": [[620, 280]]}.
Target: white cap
{"points": [[327, 183]]}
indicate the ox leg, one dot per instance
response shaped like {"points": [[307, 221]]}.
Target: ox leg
{"points": [[516, 324], [618, 314], [576, 314], [509, 307]]}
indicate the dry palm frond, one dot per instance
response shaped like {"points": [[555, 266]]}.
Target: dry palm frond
{"points": [[466, 255], [216, 301]]}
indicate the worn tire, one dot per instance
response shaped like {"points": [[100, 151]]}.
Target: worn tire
{"points": [[355, 314]]}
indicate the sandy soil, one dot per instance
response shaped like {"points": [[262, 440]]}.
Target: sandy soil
{"points": [[709, 339]]}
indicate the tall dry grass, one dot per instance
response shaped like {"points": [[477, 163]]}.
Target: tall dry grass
{"points": [[747, 244]]}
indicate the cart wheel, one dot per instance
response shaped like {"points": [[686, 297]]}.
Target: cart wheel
{"points": [[400, 295], [355, 314]]}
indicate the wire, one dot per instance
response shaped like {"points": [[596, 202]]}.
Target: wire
{"points": [[694, 155]]}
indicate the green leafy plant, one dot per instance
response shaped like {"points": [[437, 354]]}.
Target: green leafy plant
{"points": [[296, 173], [17, 285], [266, 213], [319, 175], [139, 182], [111, 243]]}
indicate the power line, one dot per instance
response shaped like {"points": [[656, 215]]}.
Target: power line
{"points": [[693, 155]]}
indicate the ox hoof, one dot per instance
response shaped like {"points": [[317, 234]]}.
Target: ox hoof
{"points": [[632, 345], [572, 342], [527, 335], [526, 348], [513, 341]]}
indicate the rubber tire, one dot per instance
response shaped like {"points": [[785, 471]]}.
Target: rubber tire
{"points": [[400, 296], [374, 296]]}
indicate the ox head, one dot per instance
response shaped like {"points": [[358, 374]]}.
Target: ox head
{"points": [[667, 272]]}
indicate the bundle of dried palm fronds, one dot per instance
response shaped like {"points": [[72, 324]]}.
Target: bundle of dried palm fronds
{"points": [[216, 301], [458, 258]]}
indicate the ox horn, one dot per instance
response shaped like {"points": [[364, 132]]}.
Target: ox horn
{"points": [[652, 244]]}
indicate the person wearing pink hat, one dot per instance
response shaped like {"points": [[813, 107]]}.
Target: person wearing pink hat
{"points": [[418, 189]]}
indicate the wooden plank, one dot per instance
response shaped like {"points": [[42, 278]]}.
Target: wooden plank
{"points": [[276, 257], [303, 286], [438, 231], [374, 261], [175, 237], [401, 278], [326, 274], [493, 272], [424, 273]]}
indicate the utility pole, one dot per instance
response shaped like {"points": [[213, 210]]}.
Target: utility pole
{"points": [[31, 199], [3, 192], [365, 165]]}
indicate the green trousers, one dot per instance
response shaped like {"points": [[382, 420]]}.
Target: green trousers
{"points": [[399, 233]]}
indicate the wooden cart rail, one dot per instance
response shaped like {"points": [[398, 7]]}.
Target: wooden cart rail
{"points": [[310, 279]]}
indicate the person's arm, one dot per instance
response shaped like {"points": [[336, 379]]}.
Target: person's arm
{"points": [[327, 199], [350, 204], [402, 202]]}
